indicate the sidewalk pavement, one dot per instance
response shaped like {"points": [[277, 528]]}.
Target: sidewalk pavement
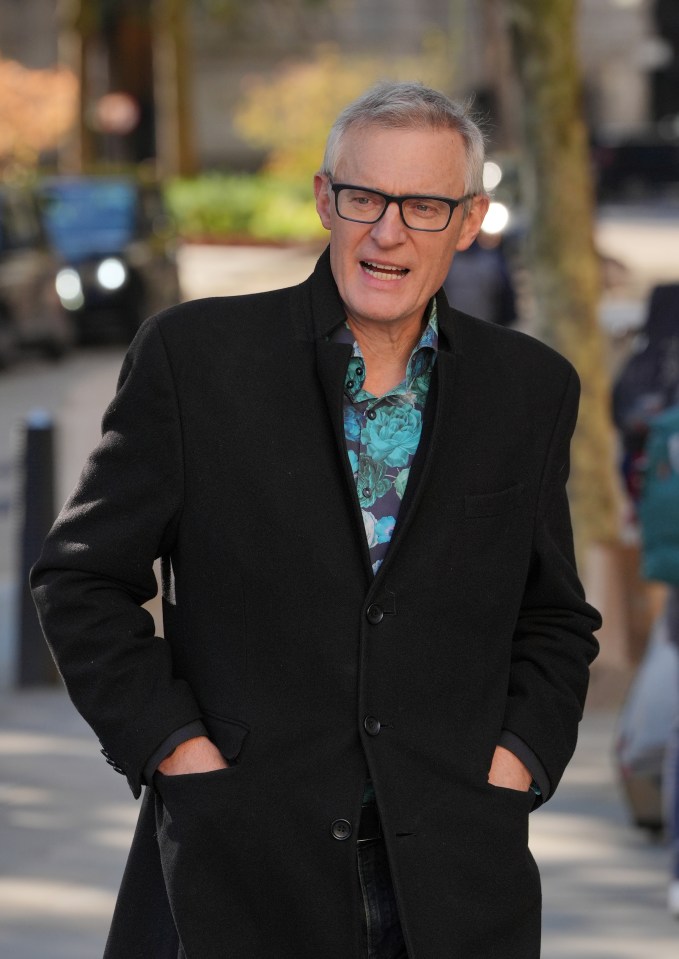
{"points": [[66, 821]]}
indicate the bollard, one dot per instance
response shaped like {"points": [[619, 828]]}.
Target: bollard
{"points": [[35, 665]]}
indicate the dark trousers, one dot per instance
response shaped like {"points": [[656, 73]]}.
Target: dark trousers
{"points": [[382, 928]]}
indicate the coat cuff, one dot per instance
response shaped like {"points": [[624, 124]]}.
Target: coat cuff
{"points": [[516, 745], [179, 736]]}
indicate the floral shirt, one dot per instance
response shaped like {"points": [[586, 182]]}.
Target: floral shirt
{"points": [[383, 432]]}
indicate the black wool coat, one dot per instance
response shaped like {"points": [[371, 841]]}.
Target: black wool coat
{"points": [[223, 453]]}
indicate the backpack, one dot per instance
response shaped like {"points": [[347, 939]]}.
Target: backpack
{"points": [[659, 503]]}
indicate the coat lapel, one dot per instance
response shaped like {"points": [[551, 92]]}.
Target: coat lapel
{"points": [[319, 310], [438, 420], [441, 427], [331, 363], [316, 310]]}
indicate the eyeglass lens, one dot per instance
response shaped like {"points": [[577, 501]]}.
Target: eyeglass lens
{"points": [[420, 213]]}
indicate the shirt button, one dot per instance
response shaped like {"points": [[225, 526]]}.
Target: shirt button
{"points": [[371, 414], [372, 725], [341, 829], [366, 491], [374, 614], [350, 384], [359, 371]]}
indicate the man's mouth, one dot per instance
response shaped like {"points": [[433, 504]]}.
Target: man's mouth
{"points": [[382, 271]]}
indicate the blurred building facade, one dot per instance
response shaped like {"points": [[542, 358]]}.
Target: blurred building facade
{"points": [[621, 49], [629, 50]]}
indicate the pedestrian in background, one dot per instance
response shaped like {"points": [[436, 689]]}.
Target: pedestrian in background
{"points": [[480, 282], [647, 385], [376, 644]]}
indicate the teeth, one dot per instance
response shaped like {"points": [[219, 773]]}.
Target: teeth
{"points": [[382, 272]]}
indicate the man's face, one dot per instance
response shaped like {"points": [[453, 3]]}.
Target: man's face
{"points": [[401, 161]]}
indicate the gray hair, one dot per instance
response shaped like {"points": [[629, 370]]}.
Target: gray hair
{"points": [[410, 106]]}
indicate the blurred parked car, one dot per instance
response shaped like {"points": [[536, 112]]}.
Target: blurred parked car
{"points": [[30, 312], [117, 245]]}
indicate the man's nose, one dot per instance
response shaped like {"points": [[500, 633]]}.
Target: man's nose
{"points": [[390, 228]]}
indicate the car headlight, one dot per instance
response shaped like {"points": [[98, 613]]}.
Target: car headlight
{"points": [[111, 273], [69, 288]]}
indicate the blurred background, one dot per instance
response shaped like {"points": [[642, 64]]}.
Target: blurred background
{"points": [[159, 150]]}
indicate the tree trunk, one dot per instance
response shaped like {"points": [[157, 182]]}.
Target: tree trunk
{"points": [[172, 72], [77, 25], [563, 264]]}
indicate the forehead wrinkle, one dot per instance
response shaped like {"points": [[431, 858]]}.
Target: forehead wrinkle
{"points": [[385, 160]]}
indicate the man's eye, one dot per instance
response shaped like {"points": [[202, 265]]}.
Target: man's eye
{"points": [[424, 208], [362, 199]]}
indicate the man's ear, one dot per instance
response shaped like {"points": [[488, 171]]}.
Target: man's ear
{"points": [[472, 222], [322, 199]]}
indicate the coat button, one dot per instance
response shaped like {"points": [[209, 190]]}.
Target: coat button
{"points": [[372, 725], [374, 614], [341, 829]]}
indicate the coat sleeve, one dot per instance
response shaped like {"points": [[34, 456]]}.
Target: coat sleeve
{"points": [[553, 643], [96, 568]]}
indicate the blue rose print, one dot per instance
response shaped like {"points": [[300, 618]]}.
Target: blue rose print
{"points": [[352, 423], [393, 435], [400, 482], [384, 528], [381, 449]]}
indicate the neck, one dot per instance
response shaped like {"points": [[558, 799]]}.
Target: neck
{"points": [[386, 349]]}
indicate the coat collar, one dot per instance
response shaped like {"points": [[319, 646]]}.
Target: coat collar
{"points": [[318, 308], [316, 304]]}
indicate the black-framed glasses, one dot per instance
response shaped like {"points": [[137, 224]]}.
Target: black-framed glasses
{"points": [[429, 213]]}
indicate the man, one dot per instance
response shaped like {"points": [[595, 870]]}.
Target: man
{"points": [[480, 282], [376, 645]]}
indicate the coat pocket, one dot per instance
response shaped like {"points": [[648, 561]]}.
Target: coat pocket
{"points": [[192, 802], [228, 735], [202, 828], [494, 504]]}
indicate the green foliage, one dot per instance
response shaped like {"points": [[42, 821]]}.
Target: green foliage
{"points": [[288, 115], [243, 206]]}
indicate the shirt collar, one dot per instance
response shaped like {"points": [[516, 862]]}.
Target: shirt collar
{"points": [[420, 362]]}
